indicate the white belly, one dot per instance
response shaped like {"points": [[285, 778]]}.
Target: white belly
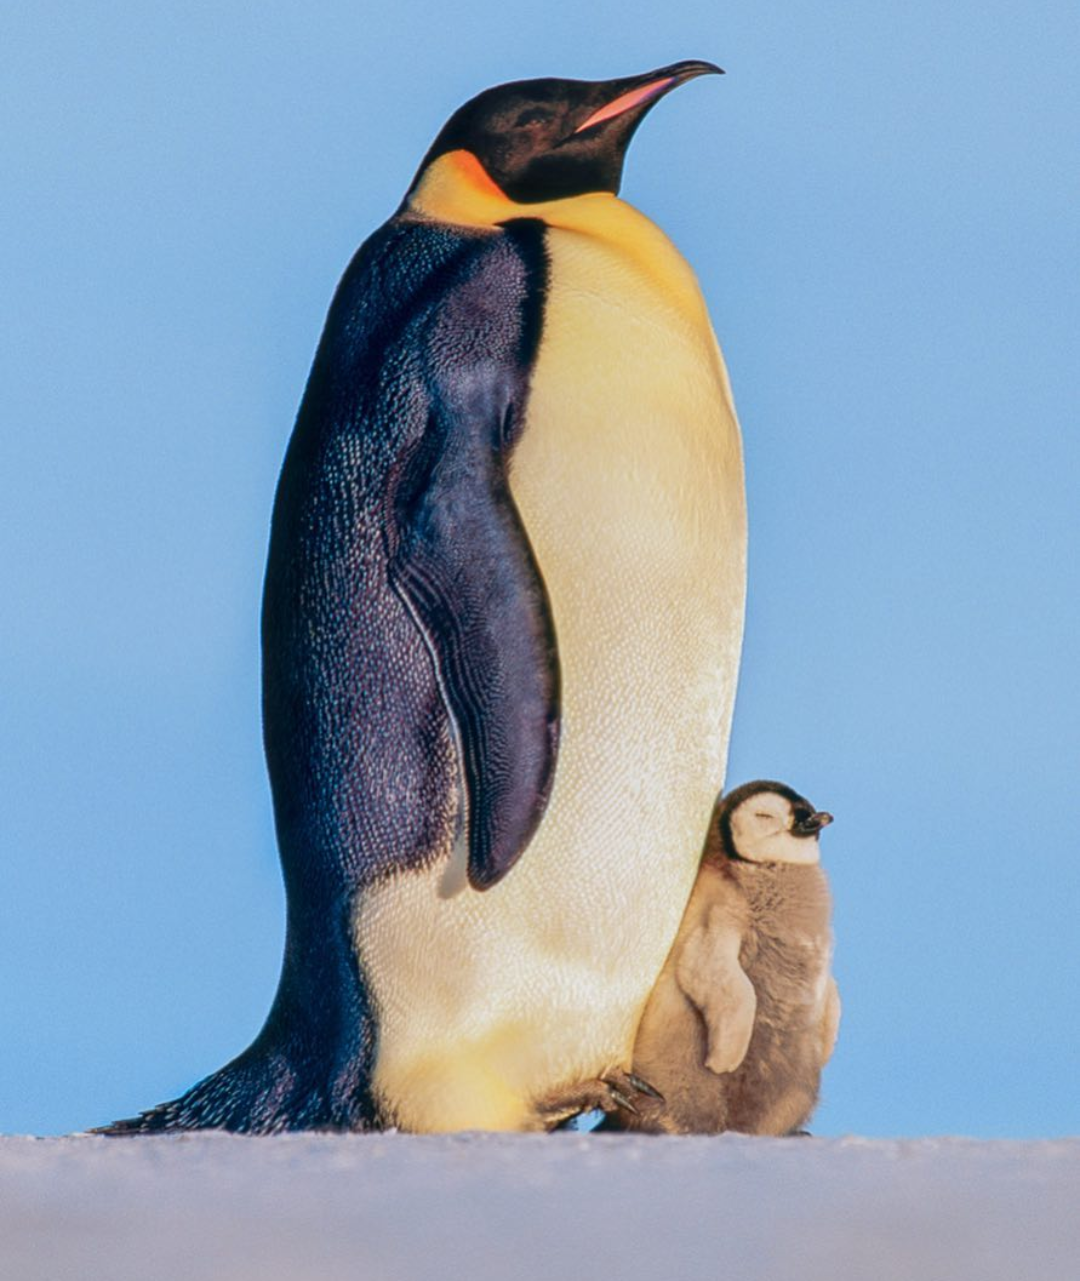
{"points": [[629, 482]]}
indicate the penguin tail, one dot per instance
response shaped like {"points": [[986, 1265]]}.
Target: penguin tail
{"points": [[310, 1066], [260, 1092], [254, 1094]]}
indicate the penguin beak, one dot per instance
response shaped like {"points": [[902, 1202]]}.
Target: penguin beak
{"points": [[639, 92], [812, 825]]}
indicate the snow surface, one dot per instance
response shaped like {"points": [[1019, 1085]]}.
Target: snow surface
{"points": [[391, 1207]]}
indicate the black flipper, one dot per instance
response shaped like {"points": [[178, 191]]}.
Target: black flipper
{"points": [[463, 563], [459, 555]]}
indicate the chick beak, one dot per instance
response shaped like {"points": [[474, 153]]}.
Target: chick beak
{"points": [[812, 825]]}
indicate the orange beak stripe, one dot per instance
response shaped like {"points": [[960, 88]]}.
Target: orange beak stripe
{"points": [[625, 101]]}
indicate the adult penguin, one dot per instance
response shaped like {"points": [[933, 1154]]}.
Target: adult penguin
{"points": [[502, 621]]}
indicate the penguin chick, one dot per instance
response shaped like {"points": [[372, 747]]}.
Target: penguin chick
{"points": [[745, 1013]]}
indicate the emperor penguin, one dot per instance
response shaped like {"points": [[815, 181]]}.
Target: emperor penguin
{"points": [[501, 630], [745, 1013]]}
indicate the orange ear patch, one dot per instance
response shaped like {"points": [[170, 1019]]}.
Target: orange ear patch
{"points": [[457, 188], [468, 170], [625, 101]]}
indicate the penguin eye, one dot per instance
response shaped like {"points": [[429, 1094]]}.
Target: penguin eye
{"points": [[532, 116]]}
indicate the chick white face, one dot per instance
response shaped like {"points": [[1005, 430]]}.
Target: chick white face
{"points": [[768, 828]]}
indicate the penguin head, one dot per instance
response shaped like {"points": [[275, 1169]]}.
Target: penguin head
{"points": [[541, 140], [767, 822]]}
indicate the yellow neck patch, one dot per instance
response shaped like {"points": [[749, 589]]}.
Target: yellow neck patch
{"points": [[456, 188]]}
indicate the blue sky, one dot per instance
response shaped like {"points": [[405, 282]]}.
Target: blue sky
{"points": [[881, 204]]}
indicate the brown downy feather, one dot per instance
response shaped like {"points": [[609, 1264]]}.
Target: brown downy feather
{"points": [[778, 917]]}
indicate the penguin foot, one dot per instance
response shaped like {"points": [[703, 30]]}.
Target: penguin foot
{"points": [[623, 1089], [616, 1093]]}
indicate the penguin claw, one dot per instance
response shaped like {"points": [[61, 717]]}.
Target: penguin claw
{"points": [[643, 1087], [617, 1096]]}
